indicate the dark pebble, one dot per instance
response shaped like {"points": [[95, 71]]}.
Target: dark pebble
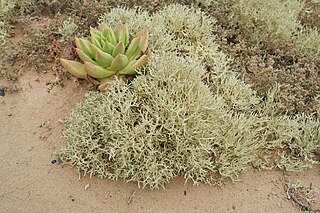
{"points": [[2, 93], [95, 88], [54, 161]]}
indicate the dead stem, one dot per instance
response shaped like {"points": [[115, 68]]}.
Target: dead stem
{"points": [[292, 196]]}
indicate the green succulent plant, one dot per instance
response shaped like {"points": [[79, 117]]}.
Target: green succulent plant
{"points": [[109, 55]]}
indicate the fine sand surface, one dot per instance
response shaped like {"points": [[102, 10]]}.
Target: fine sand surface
{"points": [[30, 134]]}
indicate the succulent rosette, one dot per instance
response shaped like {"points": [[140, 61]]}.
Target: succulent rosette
{"points": [[109, 55]]}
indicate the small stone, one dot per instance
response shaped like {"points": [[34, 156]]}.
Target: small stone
{"points": [[95, 88], [86, 186], [2, 93], [54, 161]]}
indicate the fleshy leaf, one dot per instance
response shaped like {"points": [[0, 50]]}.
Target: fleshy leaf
{"points": [[133, 47], [133, 65], [108, 47], [119, 62], [118, 49], [94, 50], [136, 54], [104, 29], [97, 71], [96, 42], [143, 60], [128, 70], [104, 59], [143, 44], [84, 57], [74, 67], [118, 30], [84, 45], [111, 36], [127, 36], [95, 32], [123, 34]]}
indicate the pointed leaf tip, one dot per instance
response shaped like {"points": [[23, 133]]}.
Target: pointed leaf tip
{"points": [[84, 45], [74, 67], [143, 44]]}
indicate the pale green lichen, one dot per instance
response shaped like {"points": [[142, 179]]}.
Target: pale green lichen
{"points": [[308, 43], [272, 20], [188, 114], [160, 127], [6, 13], [67, 29], [302, 196], [273, 23], [289, 142]]}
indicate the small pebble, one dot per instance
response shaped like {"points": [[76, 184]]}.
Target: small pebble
{"points": [[56, 161], [2, 93], [86, 186], [95, 88]]}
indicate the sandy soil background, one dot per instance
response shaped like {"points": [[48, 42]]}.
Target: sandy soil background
{"points": [[30, 134]]}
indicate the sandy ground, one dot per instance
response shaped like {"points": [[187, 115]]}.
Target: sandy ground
{"points": [[30, 134]]}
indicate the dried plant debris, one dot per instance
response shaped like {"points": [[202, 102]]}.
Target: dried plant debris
{"points": [[303, 197], [293, 143], [299, 77], [6, 14], [187, 114], [308, 43], [309, 16], [293, 62]]}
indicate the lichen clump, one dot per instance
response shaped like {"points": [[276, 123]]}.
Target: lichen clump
{"points": [[160, 127], [186, 114]]}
